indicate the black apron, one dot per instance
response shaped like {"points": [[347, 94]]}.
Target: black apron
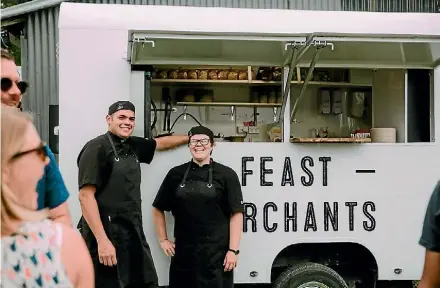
{"points": [[119, 205], [201, 236]]}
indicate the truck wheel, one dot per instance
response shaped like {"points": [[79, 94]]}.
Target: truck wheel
{"points": [[309, 275]]}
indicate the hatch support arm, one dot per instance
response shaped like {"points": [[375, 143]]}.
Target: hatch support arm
{"points": [[297, 54], [306, 81]]}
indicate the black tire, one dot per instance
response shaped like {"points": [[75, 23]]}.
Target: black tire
{"points": [[321, 275]]}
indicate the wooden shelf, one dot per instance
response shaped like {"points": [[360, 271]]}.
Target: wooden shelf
{"points": [[332, 84], [194, 81], [237, 104], [330, 140], [256, 82]]}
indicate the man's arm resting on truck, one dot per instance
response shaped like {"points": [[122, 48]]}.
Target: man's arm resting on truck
{"points": [[430, 239], [145, 148], [170, 142]]}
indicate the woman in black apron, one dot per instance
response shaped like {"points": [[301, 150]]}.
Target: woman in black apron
{"points": [[206, 201]]}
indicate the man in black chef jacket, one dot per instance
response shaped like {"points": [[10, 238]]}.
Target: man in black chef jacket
{"points": [[109, 180], [430, 239]]}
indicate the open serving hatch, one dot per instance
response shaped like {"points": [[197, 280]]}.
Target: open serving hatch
{"points": [[311, 50], [352, 51], [155, 49]]}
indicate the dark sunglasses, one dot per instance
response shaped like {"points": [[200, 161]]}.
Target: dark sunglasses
{"points": [[41, 151], [7, 84]]}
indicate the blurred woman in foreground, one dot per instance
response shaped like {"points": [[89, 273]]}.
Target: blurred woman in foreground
{"points": [[36, 252]]}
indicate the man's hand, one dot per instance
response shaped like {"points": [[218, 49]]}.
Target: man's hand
{"points": [[230, 261], [167, 247], [106, 252]]}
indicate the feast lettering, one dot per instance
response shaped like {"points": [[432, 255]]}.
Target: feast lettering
{"points": [[287, 177]]}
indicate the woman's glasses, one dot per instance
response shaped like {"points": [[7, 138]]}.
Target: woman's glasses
{"points": [[204, 142], [7, 84], [41, 151]]}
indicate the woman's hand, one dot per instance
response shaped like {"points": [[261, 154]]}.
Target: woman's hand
{"points": [[230, 261], [167, 247]]}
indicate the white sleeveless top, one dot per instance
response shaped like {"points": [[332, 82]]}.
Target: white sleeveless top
{"points": [[32, 257]]}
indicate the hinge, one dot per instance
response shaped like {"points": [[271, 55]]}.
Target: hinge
{"points": [[143, 40], [131, 53], [314, 42]]}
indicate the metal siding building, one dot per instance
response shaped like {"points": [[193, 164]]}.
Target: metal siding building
{"points": [[40, 36]]}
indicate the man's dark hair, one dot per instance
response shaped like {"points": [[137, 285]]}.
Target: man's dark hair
{"points": [[6, 55]]}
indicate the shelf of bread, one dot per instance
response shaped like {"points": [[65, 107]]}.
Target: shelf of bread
{"points": [[258, 82], [249, 76]]}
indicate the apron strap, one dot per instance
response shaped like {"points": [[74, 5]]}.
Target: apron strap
{"points": [[182, 184], [210, 172], [134, 154], [113, 147]]}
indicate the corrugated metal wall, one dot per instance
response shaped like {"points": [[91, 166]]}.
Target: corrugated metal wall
{"points": [[39, 61], [39, 66]]}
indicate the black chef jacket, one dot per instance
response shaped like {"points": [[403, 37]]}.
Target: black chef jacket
{"points": [[202, 203], [96, 158], [118, 196], [430, 238], [223, 177]]}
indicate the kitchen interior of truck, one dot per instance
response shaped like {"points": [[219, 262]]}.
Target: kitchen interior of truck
{"points": [[330, 89]]}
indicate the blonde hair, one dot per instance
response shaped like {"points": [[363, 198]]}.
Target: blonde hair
{"points": [[13, 128]]}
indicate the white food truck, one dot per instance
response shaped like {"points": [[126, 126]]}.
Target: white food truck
{"points": [[327, 118]]}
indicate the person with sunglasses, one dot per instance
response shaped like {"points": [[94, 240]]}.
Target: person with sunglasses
{"points": [[109, 180], [206, 201], [52, 191], [430, 240], [36, 252]]}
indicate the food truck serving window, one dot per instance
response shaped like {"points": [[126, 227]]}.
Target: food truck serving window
{"points": [[354, 81], [379, 89], [229, 83]]}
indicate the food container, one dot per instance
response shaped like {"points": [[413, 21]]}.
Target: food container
{"points": [[277, 74], [205, 95], [383, 135], [235, 138], [264, 96], [272, 97]]}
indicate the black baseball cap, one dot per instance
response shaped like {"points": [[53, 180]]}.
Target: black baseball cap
{"points": [[121, 105], [201, 130]]}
